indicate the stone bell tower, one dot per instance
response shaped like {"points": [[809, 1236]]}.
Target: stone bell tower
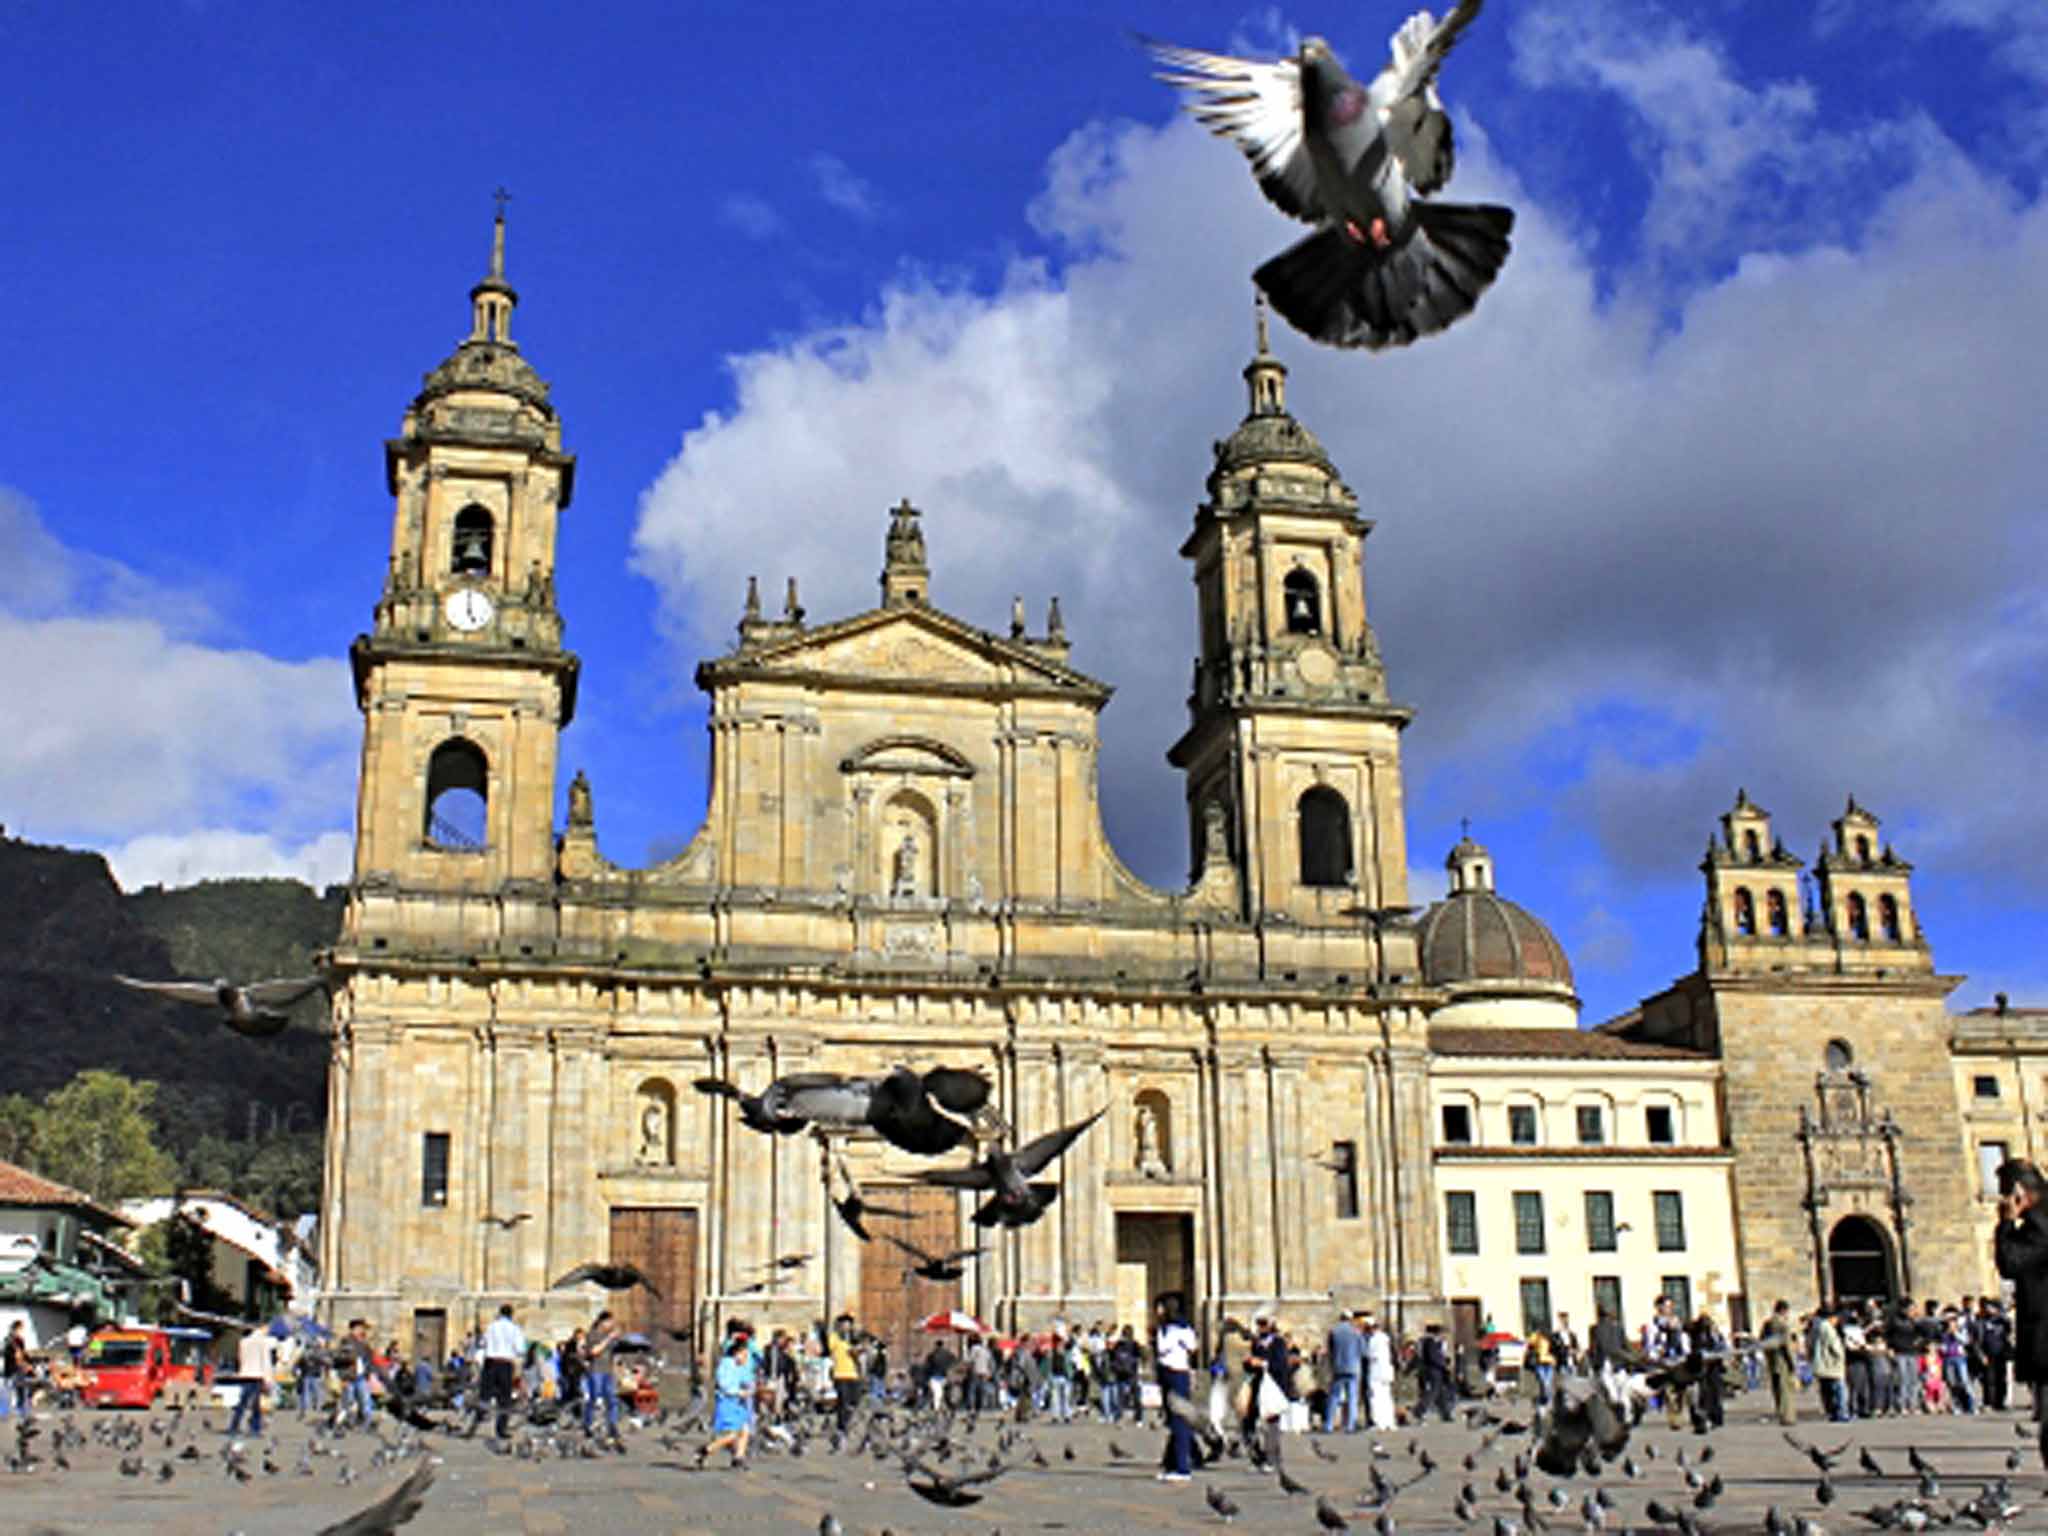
{"points": [[1292, 739], [462, 680]]}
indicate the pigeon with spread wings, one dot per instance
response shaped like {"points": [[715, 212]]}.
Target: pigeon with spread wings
{"points": [[613, 1277], [1014, 1200], [257, 1009], [1386, 265], [925, 1113], [853, 1207], [933, 1266]]}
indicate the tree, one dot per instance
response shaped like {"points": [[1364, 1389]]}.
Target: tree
{"points": [[96, 1134], [17, 1129]]}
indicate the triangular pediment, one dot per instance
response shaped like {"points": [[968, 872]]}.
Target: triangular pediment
{"points": [[908, 646]]}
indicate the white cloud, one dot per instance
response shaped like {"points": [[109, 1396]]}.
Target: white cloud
{"points": [[212, 854], [121, 723], [842, 189], [1791, 529], [752, 216], [1735, 166]]}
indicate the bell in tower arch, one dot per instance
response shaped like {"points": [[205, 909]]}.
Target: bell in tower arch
{"points": [[472, 542], [1303, 603]]}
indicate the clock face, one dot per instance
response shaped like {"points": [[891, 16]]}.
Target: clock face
{"points": [[468, 609]]}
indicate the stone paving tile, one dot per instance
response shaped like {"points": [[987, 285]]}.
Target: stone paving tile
{"points": [[651, 1491]]}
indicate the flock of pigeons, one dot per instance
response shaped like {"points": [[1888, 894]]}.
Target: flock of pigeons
{"points": [[927, 1114], [165, 1447], [1570, 1477]]}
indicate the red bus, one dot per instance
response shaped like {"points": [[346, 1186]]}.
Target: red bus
{"points": [[133, 1367]]}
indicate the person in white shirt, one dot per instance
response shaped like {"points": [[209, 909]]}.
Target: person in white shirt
{"points": [[504, 1347], [1379, 1374], [1173, 1355], [256, 1364]]}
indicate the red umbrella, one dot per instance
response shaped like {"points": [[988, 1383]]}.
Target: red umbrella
{"points": [[1497, 1338], [951, 1322]]}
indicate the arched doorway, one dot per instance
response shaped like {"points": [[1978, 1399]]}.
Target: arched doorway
{"points": [[1859, 1260]]}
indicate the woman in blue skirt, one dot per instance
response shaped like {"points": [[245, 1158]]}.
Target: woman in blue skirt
{"points": [[732, 1420]]}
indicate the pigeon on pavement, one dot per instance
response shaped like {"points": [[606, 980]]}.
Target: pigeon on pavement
{"points": [[1386, 265]]}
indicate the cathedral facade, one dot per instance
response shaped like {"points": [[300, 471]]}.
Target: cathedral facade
{"points": [[1311, 1095]]}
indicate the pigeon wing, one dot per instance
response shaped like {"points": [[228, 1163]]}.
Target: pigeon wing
{"points": [[183, 991], [912, 1249], [956, 1089], [1419, 133], [1417, 128], [635, 1276], [396, 1508], [1420, 47], [283, 992], [1257, 106], [580, 1275], [1035, 1155]]}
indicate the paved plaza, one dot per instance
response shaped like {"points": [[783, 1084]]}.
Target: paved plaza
{"points": [[651, 1489]]}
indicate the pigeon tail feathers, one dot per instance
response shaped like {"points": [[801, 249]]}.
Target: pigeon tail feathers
{"points": [[1351, 293]]}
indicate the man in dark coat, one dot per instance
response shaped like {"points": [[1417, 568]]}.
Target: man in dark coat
{"points": [[2022, 1251]]}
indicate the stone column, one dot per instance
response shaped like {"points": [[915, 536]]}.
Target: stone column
{"points": [[1420, 1273], [1246, 1194], [1091, 1233], [1293, 1220], [798, 1197], [579, 1129], [379, 1150], [334, 1203], [743, 1194], [1041, 1280], [1375, 1178]]}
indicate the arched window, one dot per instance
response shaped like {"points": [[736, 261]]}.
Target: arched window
{"points": [[470, 549], [1325, 838], [458, 789], [1304, 603], [1745, 912], [1859, 917], [1839, 1056], [1774, 914], [1888, 919], [1752, 847], [1863, 850]]}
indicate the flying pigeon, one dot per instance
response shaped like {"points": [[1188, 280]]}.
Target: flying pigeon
{"points": [[854, 1209], [953, 1490], [925, 1114], [935, 1266], [1385, 265], [613, 1277], [1014, 1201], [257, 1010]]}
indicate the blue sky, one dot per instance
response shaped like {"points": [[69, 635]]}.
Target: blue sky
{"points": [[1733, 479]]}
